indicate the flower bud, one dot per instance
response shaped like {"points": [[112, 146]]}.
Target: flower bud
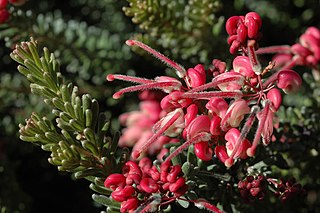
{"points": [[253, 22], [231, 25], [197, 76], [173, 187], [289, 81], [115, 180], [149, 185], [173, 174], [122, 194], [275, 97], [203, 151], [129, 204]]}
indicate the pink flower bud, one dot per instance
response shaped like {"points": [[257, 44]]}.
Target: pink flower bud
{"points": [[275, 97], [115, 180], [289, 81], [173, 187], [192, 112], [132, 172], [253, 23], [217, 106], [129, 204], [197, 76], [219, 66], [149, 185], [241, 33], [145, 164], [173, 174], [242, 65], [221, 153], [122, 194], [232, 137], [232, 24], [154, 173], [164, 171], [203, 151], [215, 126]]}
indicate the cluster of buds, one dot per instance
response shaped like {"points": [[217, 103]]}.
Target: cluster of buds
{"points": [[241, 29], [4, 14], [252, 188], [138, 124], [139, 182], [304, 53], [287, 190]]}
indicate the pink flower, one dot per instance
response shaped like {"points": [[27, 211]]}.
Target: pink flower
{"points": [[235, 114], [242, 65], [196, 76]]}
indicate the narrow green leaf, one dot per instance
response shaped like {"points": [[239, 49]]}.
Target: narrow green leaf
{"points": [[99, 189], [89, 135], [88, 115], [104, 200], [87, 172]]}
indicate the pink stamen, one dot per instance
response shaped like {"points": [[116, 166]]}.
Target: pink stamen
{"points": [[153, 85], [274, 49], [208, 95], [255, 64], [204, 204], [136, 153], [214, 83], [112, 77], [203, 136], [251, 150], [181, 72]]}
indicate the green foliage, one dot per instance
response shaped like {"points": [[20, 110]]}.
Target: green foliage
{"points": [[181, 29], [85, 50], [80, 141]]}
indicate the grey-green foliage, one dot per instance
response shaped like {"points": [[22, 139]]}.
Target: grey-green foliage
{"points": [[88, 51], [183, 29], [79, 138]]}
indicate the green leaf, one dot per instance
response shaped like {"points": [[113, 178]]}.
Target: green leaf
{"points": [[185, 204], [106, 201]]}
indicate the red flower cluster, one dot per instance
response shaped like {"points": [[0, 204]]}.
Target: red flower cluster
{"points": [[216, 124], [287, 190], [4, 14], [252, 187], [145, 179], [241, 29]]}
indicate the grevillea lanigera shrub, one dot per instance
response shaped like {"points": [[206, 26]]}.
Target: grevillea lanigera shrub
{"points": [[205, 137]]}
